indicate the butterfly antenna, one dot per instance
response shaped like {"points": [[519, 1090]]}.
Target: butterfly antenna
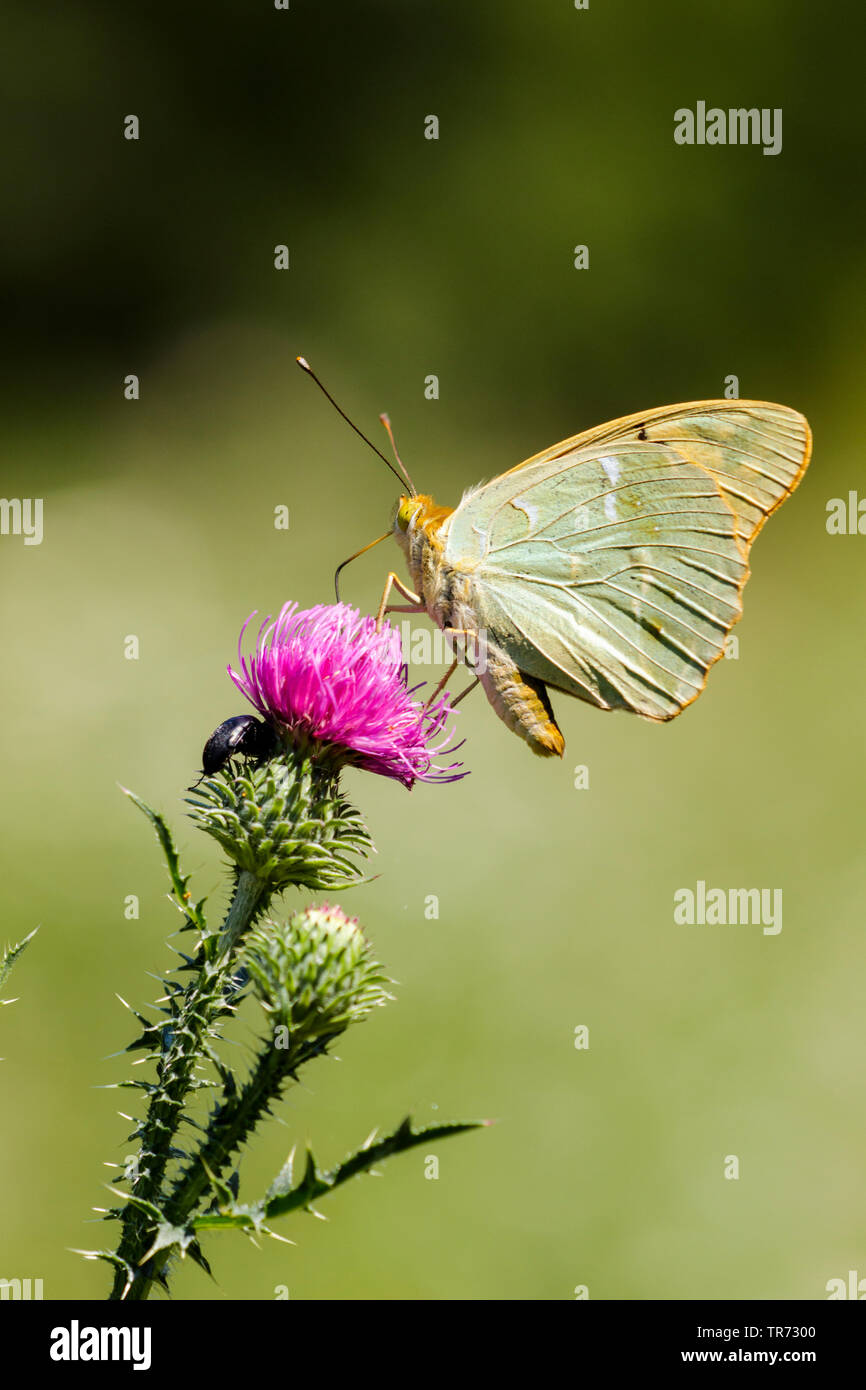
{"points": [[362, 551], [302, 362], [386, 421]]}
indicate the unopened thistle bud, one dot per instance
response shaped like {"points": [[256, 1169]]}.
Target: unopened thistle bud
{"points": [[314, 974]]}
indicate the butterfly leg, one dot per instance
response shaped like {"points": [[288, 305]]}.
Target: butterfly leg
{"points": [[451, 632], [478, 663], [475, 646], [442, 684], [394, 582], [468, 691]]}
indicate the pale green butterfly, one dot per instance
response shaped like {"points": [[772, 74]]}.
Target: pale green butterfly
{"points": [[611, 566]]}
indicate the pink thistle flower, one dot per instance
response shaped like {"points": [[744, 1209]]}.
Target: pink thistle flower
{"points": [[326, 675]]}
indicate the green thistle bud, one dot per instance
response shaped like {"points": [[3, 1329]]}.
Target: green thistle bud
{"points": [[314, 974], [285, 822]]}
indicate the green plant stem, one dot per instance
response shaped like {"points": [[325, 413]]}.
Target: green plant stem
{"points": [[246, 899], [204, 1002], [234, 1121]]}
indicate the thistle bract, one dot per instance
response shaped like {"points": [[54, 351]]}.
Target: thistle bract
{"points": [[285, 822]]}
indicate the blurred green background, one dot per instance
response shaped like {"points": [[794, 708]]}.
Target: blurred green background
{"points": [[454, 257]]}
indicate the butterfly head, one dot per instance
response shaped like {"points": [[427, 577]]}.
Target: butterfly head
{"points": [[405, 512], [417, 527]]}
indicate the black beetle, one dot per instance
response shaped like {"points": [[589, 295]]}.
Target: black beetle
{"points": [[242, 735]]}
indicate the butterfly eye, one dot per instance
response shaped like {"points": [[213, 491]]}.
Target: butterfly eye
{"points": [[405, 509]]}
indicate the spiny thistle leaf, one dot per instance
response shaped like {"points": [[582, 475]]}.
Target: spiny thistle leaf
{"points": [[110, 1258], [179, 881], [148, 1208], [282, 1183], [316, 1184], [196, 1254], [8, 959], [169, 1237]]}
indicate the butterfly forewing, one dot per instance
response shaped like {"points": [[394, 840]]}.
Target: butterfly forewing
{"points": [[611, 566], [756, 451]]}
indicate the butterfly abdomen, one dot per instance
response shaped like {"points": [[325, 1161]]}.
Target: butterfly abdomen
{"points": [[522, 703]]}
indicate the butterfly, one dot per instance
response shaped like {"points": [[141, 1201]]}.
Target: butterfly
{"points": [[609, 567]]}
